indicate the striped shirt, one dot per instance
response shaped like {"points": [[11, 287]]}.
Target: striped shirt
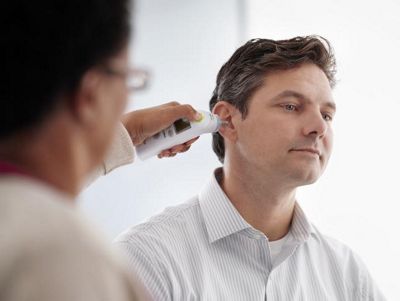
{"points": [[205, 250]]}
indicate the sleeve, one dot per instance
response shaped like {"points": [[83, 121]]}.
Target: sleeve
{"points": [[120, 153], [368, 289], [150, 273]]}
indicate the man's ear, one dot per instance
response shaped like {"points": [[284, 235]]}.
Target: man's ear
{"points": [[85, 105], [228, 113]]}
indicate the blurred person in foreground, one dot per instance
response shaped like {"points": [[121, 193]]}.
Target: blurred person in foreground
{"points": [[244, 236], [65, 67]]}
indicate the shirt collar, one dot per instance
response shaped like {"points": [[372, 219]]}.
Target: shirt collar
{"points": [[301, 228], [220, 216], [222, 219]]}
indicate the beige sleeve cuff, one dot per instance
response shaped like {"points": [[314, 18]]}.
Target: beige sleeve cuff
{"points": [[121, 151]]}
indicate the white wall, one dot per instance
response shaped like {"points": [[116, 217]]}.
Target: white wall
{"points": [[357, 200], [184, 43]]}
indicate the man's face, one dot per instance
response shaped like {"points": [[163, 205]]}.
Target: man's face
{"points": [[287, 133]]}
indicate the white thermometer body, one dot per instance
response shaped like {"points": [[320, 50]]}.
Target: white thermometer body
{"points": [[179, 132]]}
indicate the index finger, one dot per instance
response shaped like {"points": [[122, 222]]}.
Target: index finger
{"points": [[175, 112]]}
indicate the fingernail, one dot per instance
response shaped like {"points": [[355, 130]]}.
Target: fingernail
{"points": [[198, 116]]}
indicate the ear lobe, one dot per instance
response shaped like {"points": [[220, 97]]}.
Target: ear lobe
{"points": [[226, 112], [85, 104]]}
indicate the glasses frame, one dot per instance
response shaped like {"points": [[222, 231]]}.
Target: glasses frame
{"points": [[137, 79]]}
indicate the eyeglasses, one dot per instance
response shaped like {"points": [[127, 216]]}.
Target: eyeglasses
{"points": [[136, 79]]}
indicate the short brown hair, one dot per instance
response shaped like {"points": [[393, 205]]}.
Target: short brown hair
{"points": [[244, 72]]}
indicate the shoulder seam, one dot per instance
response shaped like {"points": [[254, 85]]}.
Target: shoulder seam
{"points": [[151, 223]]}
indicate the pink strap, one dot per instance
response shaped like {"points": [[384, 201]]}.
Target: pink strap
{"points": [[9, 168]]}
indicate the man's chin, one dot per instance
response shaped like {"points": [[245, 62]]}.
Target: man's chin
{"points": [[303, 178], [308, 182]]}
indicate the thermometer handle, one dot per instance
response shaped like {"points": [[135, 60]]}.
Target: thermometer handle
{"points": [[179, 132]]}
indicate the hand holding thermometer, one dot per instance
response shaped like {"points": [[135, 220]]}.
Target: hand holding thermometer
{"points": [[179, 132]]}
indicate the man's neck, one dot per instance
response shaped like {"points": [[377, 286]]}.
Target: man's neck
{"points": [[264, 204], [42, 157]]}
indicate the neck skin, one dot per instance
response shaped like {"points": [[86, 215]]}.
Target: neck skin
{"points": [[51, 154], [260, 199]]}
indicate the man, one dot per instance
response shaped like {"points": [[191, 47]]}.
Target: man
{"points": [[244, 237], [65, 67]]}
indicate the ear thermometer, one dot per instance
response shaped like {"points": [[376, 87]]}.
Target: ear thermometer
{"points": [[179, 132]]}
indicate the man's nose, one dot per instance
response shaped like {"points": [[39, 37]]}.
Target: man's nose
{"points": [[315, 124]]}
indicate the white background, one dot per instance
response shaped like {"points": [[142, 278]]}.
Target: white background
{"points": [[184, 43]]}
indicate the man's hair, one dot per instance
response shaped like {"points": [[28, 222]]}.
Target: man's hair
{"points": [[49, 45], [244, 72]]}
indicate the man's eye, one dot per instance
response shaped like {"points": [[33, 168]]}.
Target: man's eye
{"points": [[327, 117], [290, 107]]}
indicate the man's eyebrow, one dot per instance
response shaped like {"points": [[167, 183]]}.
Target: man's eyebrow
{"points": [[290, 93], [331, 105], [298, 95]]}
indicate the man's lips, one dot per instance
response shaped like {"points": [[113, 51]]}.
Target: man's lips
{"points": [[310, 150]]}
